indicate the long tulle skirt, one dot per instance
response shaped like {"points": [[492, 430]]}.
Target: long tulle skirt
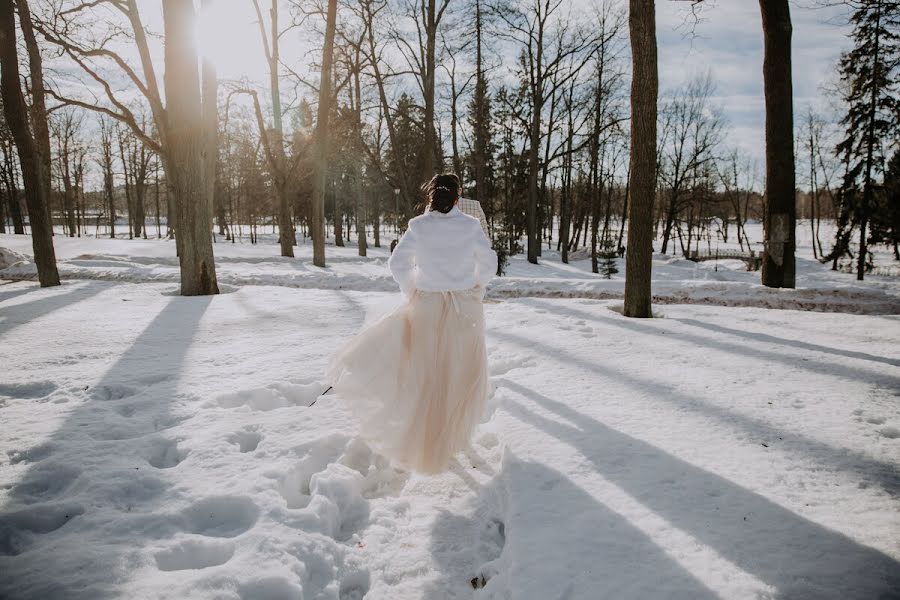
{"points": [[417, 378]]}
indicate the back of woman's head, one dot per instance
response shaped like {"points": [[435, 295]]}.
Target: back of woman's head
{"points": [[442, 192]]}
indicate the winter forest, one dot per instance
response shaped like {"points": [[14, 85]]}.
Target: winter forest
{"points": [[692, 335]]}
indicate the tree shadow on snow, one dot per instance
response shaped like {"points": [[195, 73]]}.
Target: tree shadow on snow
{"points": [[95, 493], [799, 558], [822, 368], [591, 552], [771, 339], [27, 312], [13, 289], [884, 473]]}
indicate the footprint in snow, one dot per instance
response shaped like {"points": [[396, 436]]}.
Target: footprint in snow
{"points": [[277, 395], [46, 482], [355, 585], [892, 433], [18, 529], [164, 453], [247, 440], [491, 540], [28, 391], [194, 554], [113, 391], [220, 516], [31, 455]]}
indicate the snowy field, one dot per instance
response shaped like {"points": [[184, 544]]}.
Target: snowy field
{"points": [[155, 446], [675, 280]]}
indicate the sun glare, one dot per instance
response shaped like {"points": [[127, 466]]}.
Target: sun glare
{"points": [[227, 35]]}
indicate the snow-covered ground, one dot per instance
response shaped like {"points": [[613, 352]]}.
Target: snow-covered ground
{"points": [[155, 446], [675, 280]]}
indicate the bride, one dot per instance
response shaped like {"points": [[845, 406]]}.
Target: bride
{"points": [[417, 379]]}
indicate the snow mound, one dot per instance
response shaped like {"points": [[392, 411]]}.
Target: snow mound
{"points": [[9, 258]]}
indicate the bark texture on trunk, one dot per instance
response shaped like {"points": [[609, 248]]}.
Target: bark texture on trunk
{"points": [[185, 173], [431, 35], [317, 226], [644, 89], [39, 124], [778, 268], [209, 108], [16, 113]]}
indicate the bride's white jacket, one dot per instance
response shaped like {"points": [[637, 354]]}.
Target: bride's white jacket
{"points": [[442, 253]]}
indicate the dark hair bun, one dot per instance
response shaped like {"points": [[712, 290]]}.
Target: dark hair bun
{"points": [[442, 192]]}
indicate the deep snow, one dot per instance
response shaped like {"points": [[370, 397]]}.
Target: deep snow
{"points": [[156, 446]]}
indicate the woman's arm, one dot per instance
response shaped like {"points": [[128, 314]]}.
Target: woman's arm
{"points": [[485, 259], [403, 262]]}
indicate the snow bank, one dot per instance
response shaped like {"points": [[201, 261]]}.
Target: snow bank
{"points": [[9, 258], [675, 280]]}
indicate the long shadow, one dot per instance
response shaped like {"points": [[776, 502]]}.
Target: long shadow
{"points": [[771, 339], [25, 313], [8, 292], [886, 474], [846, 372], [800, 558], [590, 552], [99, 482]]}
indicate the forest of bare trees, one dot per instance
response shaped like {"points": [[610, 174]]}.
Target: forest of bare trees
{"points": [[553, 119]]}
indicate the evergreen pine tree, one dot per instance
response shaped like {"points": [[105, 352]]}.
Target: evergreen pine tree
{"points": [[869, 72], [886, 216]]}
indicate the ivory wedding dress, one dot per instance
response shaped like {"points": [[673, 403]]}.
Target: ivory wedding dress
{"points": [[417, 379]]}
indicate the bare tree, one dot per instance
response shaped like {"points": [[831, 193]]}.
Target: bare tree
{"points": [[106, 165], [644, 89], [35, 172], [321, 142], [778, 268], [548, 41], [426, 16], [275, 140], [67, 128], [175, 132], [691, 131], [185, 174]]}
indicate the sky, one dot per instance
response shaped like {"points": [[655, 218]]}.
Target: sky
{"points": [[727, 42]]}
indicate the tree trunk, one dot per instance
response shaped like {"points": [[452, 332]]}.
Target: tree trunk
{"points": [[376, 222], [480, 132], [868, 184], [65, 158], [12, 195], [156, 196], [210, 135], [16, 113], [531, 212], [360, 214], [338, 218], [644, 90], [39, 123], [778, 268], [624, 214], [321, 142], [185, 164], [430, 40]]}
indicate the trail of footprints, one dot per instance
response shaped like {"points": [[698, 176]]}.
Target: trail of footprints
{"points": [[327, 490], [50, 485]]}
